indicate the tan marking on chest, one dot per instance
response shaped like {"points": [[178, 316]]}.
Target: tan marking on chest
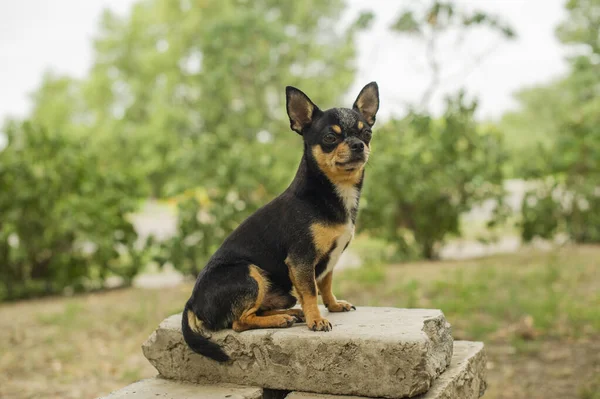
{"points": [[324, 236]]}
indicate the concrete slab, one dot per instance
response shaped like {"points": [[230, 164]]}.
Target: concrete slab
{"points": [[376, 352], [464, 379], [167, 389]]}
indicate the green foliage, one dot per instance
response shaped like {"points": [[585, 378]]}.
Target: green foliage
{"points": [[427, 171], [171, 72], [63, 221], [442, 15], [533, 129], [563, 152], [424, 173], [192, 82], [200, 99], [431, 21], [188, 94], [582, 26]]}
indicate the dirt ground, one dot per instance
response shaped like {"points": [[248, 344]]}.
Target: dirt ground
{"points": [[555, 369]]}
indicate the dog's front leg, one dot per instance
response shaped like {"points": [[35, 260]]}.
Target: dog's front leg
{"points": [[303, 280], [330, 301]]}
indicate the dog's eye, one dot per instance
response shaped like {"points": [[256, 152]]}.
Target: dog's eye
{"points": [[330, 138], [367, 135]]}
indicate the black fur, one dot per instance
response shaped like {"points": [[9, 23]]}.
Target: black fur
{"points": [[279, 231], [199, 343]]}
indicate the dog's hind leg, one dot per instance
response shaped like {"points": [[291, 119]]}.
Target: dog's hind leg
{"points": [[298, 314], [250, 319], [277, 301]]}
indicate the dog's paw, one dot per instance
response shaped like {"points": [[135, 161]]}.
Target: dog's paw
{"points": [[340, 306], [287, 320], [319, 324], [298, 314]]}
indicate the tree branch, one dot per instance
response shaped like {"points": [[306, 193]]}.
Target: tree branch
{"points": [[435, 69]]}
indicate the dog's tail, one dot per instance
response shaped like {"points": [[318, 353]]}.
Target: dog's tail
{"points": [[193, 334]]}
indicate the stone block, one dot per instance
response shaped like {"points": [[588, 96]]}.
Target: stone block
{"points": [[374, 352], [464, 379], [167, 389]]}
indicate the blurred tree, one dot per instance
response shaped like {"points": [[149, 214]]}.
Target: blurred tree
{"points": [[193, 84], [432, 22], [429, 170], [568, 167], [189, 97], [534, 127], [63, 221], [57, 103]]}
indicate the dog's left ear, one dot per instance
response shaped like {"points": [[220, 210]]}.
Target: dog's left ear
{"points": [[300, 109], [367, 102]]}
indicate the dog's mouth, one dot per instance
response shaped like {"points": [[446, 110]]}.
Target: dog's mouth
{"points": [[351, 164]]}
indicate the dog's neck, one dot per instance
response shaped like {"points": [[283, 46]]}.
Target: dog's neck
{"points": [[339, 201]]}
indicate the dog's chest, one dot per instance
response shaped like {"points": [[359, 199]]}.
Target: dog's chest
{"points": [[341, 242], [349, 196]]}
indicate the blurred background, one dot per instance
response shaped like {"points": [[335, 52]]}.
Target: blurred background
{"points": [[136, 135]]}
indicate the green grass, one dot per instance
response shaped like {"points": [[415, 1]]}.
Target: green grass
{"points": [[66, 317], [558, 292], [591, 390]]}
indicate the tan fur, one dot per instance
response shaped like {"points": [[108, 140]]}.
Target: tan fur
{"points": [[292, 312], [263, 283], [336, 174], [305, 288], [194, 323], [336, 129], [249, 319], [329, 300], [300, 112], [311, 309], [367, 104], [326, 291], [360, 125], [325, 235]]}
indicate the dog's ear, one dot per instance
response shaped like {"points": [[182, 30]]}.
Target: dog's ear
{"points": [[367, 102], [300, 109]]}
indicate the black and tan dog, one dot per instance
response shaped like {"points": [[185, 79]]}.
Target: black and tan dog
{"points": [[287, 250]]}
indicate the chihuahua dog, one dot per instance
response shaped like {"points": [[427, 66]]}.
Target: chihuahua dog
{"points": [[286, 251]]}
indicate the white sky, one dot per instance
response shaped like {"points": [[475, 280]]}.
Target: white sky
{"points": [[36, 35]]}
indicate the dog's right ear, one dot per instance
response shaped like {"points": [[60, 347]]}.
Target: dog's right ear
{"points": [[300, 109]]}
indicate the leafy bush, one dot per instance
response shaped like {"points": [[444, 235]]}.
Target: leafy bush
{"points": [[568, 197], [567, 200], [169, 72], [63, 222], [424, 173], [246, 177]]}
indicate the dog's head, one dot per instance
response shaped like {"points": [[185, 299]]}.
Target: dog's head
{"points": [[338, 139]]}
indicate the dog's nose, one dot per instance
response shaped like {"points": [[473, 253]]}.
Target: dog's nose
{"points": [[357, 146]]}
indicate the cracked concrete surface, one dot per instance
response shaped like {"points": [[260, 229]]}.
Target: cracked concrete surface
{"points": [[464, 379], [376, 352], [167, 389]]}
